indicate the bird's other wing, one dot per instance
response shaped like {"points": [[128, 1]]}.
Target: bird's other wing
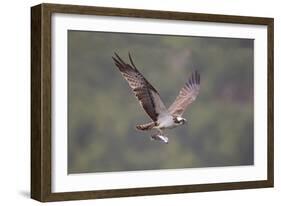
{"points": [[146, 94], [186, 96]]}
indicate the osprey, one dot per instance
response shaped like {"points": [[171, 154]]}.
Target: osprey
{"points": [[151, 102]]}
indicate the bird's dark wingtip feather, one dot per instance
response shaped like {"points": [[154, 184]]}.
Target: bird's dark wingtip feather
{"points": [[131, 61], [118, 64], [116, 61], [116, 58], [119, 59], [197, 77], [116, 54], [194, 78], [190, 83]]}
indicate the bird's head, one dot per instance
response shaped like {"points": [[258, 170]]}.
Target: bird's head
{"points": [[180, 120]]}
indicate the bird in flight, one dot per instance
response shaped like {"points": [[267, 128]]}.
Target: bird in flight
{"points": [[149, 99]]}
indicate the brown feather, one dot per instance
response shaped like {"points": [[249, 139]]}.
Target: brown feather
{"points": [[186, 96], [143, 90]]}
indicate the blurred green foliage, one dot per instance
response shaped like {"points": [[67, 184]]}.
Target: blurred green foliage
{"points": [[103, 112]]}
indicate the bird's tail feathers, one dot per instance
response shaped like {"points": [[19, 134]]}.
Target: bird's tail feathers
{"points": [[147, 126]]}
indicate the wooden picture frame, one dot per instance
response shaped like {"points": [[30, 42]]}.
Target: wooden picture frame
{"points": [[41, 98]]}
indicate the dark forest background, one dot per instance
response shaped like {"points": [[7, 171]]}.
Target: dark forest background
{"points": [[103, 112]]}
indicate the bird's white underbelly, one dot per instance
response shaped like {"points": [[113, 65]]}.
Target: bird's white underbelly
{"points": [[166, 122]]}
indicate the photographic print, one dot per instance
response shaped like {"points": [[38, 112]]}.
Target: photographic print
{"points": [[128, 102], [120, 124]]}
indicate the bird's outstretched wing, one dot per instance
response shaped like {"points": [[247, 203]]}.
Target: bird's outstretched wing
{"points": [[186, 96], [143, 90]]}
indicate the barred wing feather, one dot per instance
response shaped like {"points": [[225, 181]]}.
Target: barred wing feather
{"points": [[143, 90], [186, 96]]}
